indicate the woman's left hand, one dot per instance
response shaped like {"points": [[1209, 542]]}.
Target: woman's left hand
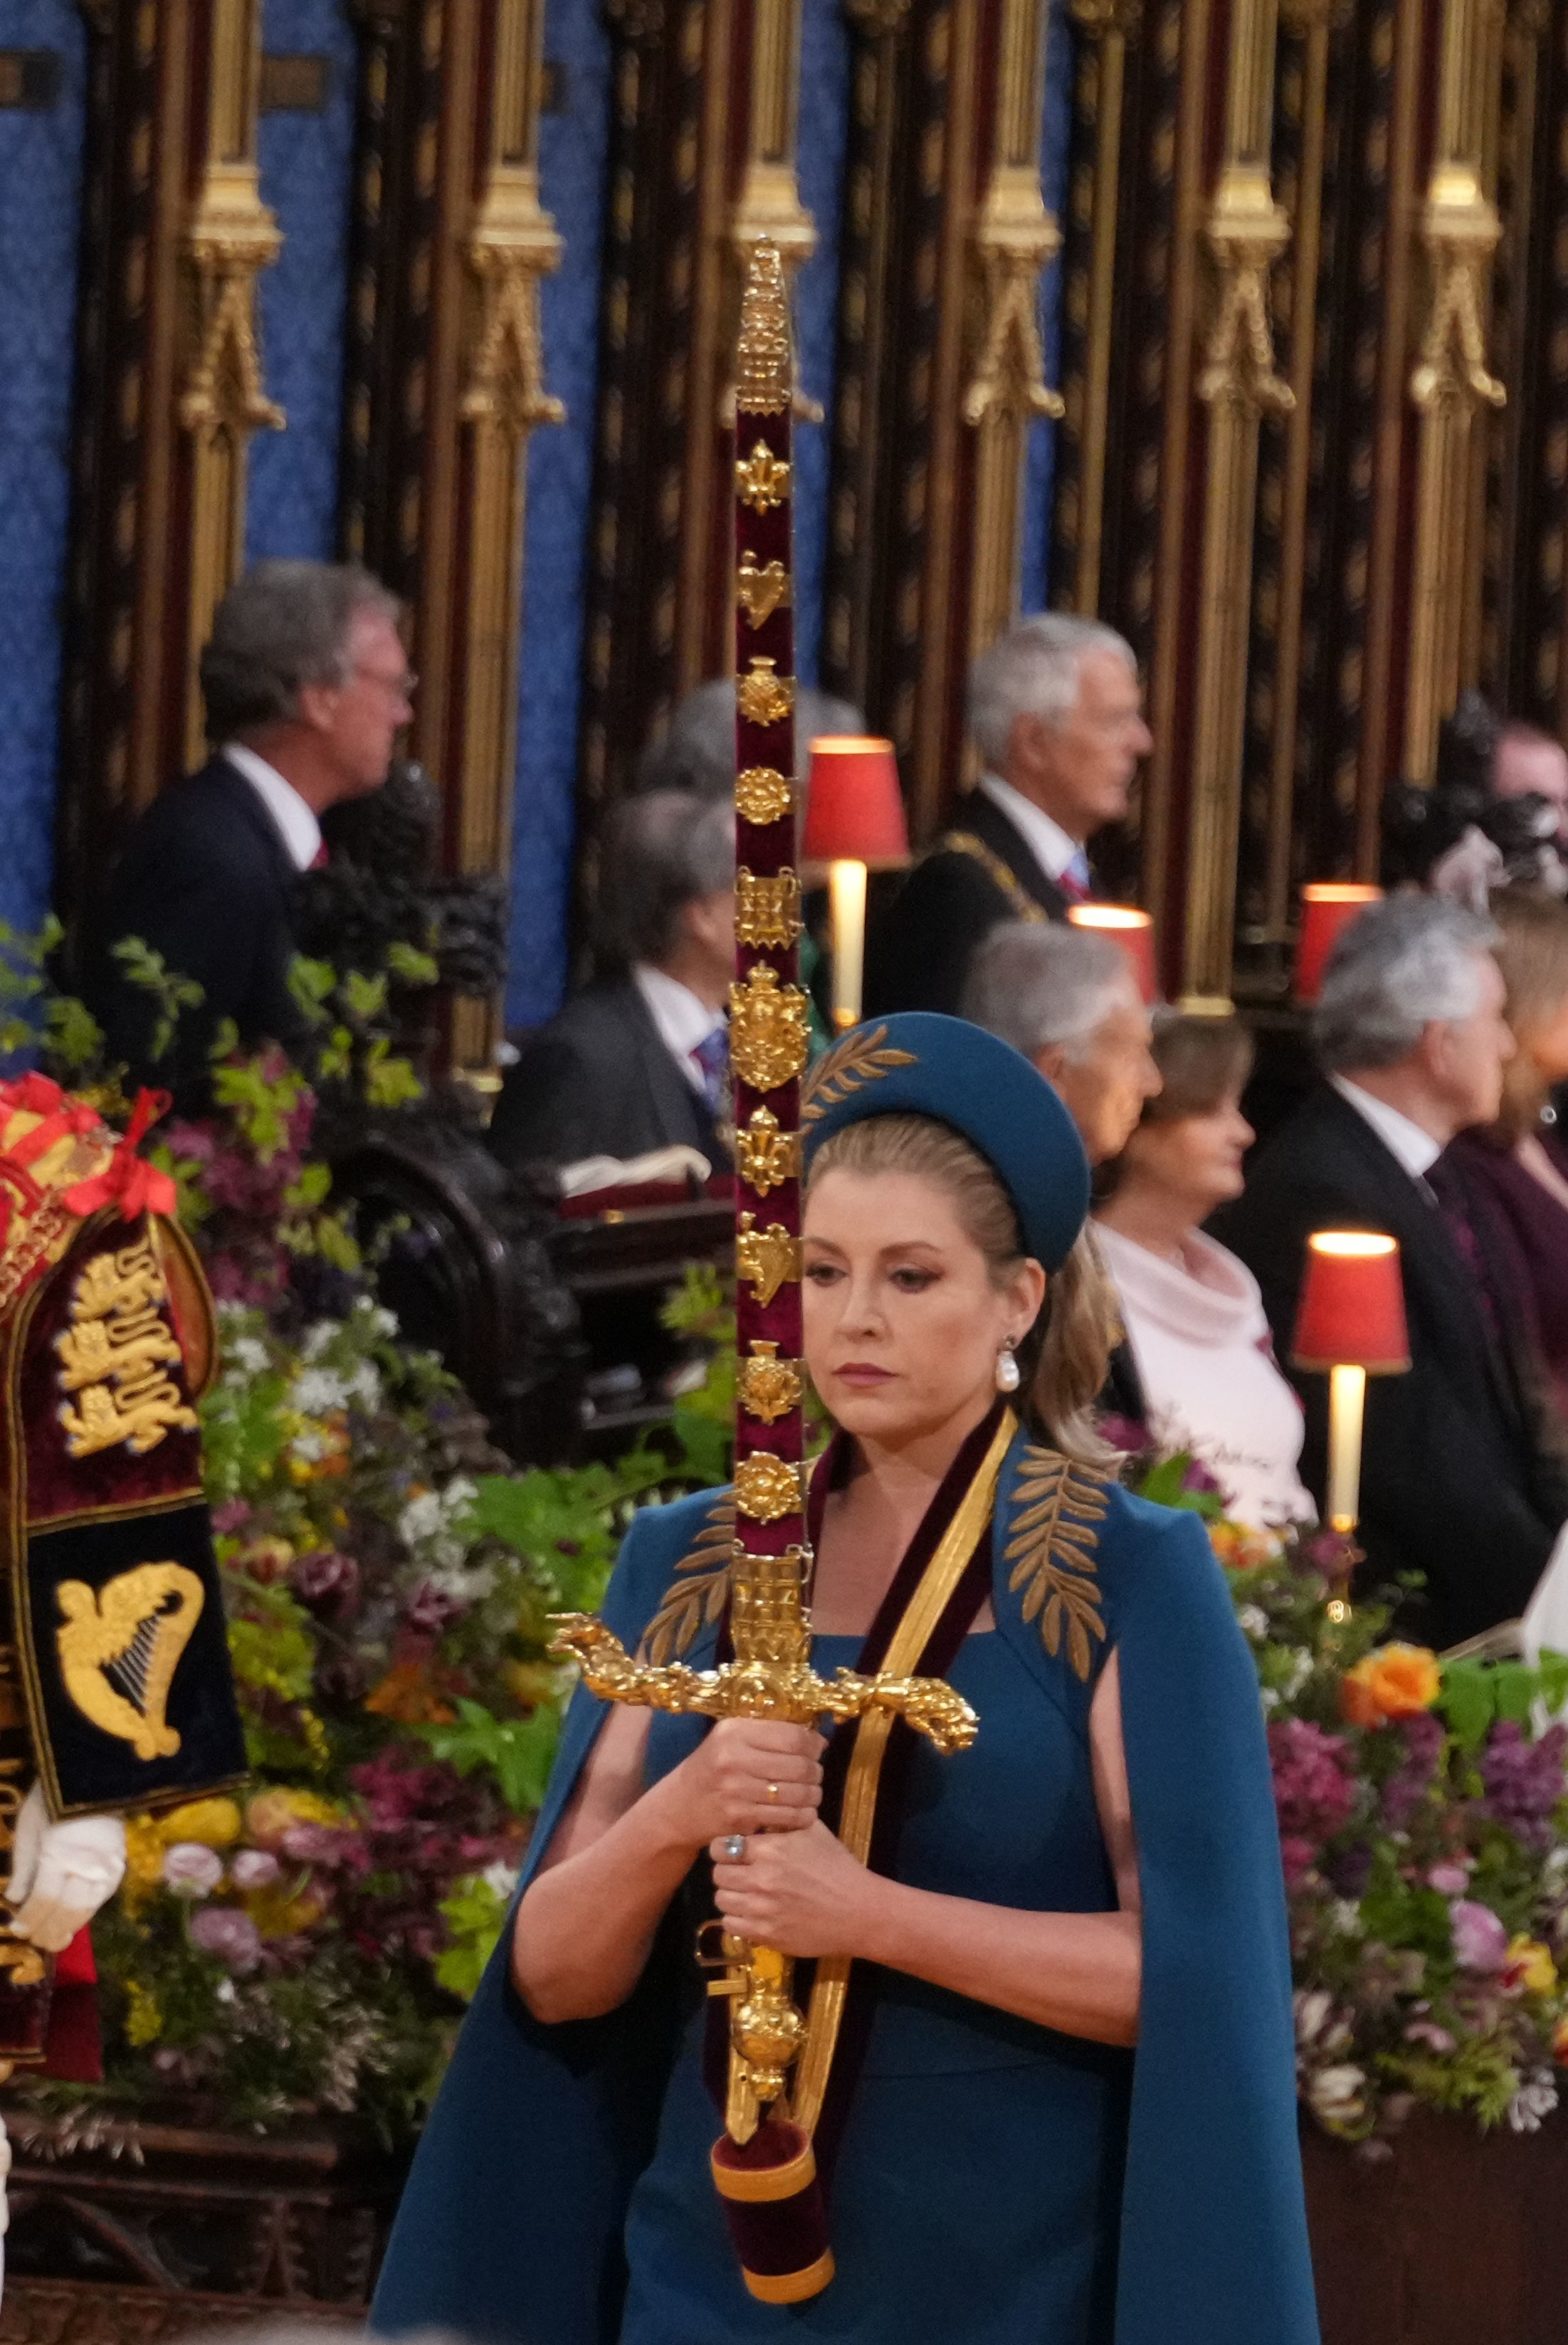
{"points": [[801, 1892]]}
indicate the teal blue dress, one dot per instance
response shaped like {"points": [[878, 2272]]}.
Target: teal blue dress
{"points": [[993, 2181]]}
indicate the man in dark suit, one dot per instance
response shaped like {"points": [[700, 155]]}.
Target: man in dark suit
{"points": [[640, 1059], [306, 688], [1461, 1480], [1056, 713]]}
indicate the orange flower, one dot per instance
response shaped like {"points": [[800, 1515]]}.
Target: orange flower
{"points": [[409, 1694], [1240, 1548], [1560, 2043], [1397, 1681]]}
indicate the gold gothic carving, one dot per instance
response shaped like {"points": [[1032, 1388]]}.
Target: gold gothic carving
{"points": [[770, 1030], [117, 1353], [766, 1259], [514, 245], [767, 911], [768, 1386], [1461, 237], [1247, 231], [1014, 241], [120, 1646], [765, 361], [231, 238], [761, 588]]}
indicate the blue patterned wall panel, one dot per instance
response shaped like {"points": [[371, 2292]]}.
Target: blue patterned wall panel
{"points": [[573, 143], [40, 183], [306, 166], [1034, 579], [824, 127]]}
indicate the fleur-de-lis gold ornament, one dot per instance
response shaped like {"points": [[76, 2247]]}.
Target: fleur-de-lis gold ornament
{"points": [[762, 480], [767, 911], [770, 1032], [762, 794], [766, 1259], [766, 1488], [767, 1155], [769, 1387], [761, 589], [765, 698]]}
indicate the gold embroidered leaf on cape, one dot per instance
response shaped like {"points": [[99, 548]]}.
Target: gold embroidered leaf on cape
{"points": [[1053, 1536], [841, 1071], [695, 1598]]}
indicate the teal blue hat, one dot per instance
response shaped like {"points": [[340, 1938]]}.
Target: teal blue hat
{"points": [[920, 1064]]}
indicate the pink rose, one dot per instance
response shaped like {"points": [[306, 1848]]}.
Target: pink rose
{"points": [[1480, 1941], [254, 1868], [191, 1870], [1451, 1879]]}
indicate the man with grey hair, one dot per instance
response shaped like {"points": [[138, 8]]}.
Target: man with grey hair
{"points": [[1056, 712], [1461, 1480], [306, 687], [639, 1059], [1070, 1002]]}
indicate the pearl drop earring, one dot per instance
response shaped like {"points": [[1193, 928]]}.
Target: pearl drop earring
{"points": [[1007, 1376]]}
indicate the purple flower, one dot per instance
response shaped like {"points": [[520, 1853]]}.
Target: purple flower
{"points": [[1480, 1941], [254, 1868], [1423, 1737], [1450, 1879], [1314, 1787], [1524, 1781], [326, 1578], [191, 1870], [232, 1937], [431, 1610], [232, 1515]]}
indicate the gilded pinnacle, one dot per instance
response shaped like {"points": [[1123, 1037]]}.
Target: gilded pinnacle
{"points": [[765, 364]]}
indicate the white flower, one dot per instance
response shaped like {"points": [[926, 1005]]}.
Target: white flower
{"points": [[1345, 1915], [1337, 2094], [318, 1392], [224, 1991], [422, 1518], [243, 1355], [458, 1497], [1270, 1699], [364, 1386], [1313, 2006], [1299, 1670], [310, 1447], [191, 1870], [318, 1339], [380, 1321], [502, 1878], [1535, 2099], [1254, 1622]]}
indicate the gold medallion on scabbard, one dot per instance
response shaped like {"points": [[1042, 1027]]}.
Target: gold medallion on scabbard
{"points": [[769, 1388], [770, 1030], [766, 1259], [765, 698], [766, 1488], [762, 480], [761, 588], [767, 911], [767, 1155], [762, 794]]}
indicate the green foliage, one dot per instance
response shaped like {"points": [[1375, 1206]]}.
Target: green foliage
{"points": [[171, 993], [1476, 1695], [517, 1752], [473, 1914]]}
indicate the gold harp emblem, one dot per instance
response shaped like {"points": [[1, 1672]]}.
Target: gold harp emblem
{"points": [[762, 481], [766, 1258], [767, 910], [769, 1387], [770, 1030], [762, 794], [119, 1649], [761, 588], [765, 698]]}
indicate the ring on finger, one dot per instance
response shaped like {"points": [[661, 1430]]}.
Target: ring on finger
{"points": [[735, 1847], [773, 1791]]}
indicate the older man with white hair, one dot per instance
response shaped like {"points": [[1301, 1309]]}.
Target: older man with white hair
{"points": [[1056, 712], [1462, 1479], [1069, 1001]]}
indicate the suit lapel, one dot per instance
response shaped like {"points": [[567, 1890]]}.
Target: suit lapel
{"points": [[249, 811], [673, 1104]]}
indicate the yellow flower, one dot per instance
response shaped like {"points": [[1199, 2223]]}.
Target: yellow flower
{"points": [[1397, 1681], [1530, 1966], [1238, 1547], [213, 1823], [277, 1914], [144, 2018], [270, 1814], [144, 1846]]}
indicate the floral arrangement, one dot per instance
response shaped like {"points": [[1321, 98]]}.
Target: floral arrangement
{"points": [[1423, 1812]]}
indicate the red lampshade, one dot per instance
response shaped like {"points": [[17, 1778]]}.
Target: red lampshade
{"points": [[854, 809], [1327, 906], [1351, 1313], [1133, 931]]}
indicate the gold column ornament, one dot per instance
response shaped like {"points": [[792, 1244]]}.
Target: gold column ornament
{"points": [[230, 237], [512, 244], [768, 203], [1459, 231], [1246, 232], [1015, 238], [1108, 25]]}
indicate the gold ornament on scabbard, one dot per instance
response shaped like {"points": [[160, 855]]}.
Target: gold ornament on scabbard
{"points": [[761, 589], [765, 698], [769, 1387], [766, 1488], [762, 794], [767, 911], [762, 480], [765, 362], [770, 1029], [766, 1259], [767, 1155]]}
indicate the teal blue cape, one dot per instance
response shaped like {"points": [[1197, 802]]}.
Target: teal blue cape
{"points": [[511, 2225]]}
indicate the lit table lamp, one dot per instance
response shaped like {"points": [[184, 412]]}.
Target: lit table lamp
{"points": [[1133, 931], [1350, 1320], [1327, 906], [854, 824]]}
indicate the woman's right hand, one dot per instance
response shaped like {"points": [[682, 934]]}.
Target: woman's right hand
{"points": [[748, 1775]]}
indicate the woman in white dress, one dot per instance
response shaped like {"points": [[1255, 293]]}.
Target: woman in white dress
{"points": [[1193, 1314]]}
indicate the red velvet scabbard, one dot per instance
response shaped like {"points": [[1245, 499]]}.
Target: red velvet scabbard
{"points": [[776, 2211]]}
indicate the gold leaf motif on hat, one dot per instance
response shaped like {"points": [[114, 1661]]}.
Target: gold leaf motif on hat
{"points": [[770, 1032], [764, 697], [767, 911], [762, 794], [762, 480], [766, 1488], [769, 1387], [766, 1258], [862, 1057], [761, 588], [767, 1155]]}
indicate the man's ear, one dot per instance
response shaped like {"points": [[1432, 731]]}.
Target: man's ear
{"points": [[1052, 1062], [316, 703]]}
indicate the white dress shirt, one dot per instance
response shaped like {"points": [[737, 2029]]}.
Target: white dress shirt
{"points": [[683, 1021], [296, 822], [1052, 847], [1406, 1142]]}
